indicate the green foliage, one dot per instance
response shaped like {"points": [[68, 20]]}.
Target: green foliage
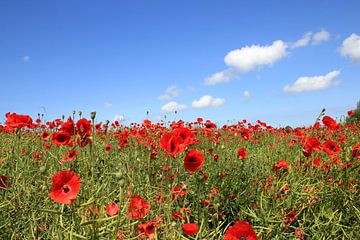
{"points": [[326, 204], [356, 117]]}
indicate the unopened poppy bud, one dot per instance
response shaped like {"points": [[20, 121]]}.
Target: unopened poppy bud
{"points": [[92, 115], [122, 182], [118, 174], [42, 169]]}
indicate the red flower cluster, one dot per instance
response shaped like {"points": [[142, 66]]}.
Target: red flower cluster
{"points": [[176, 141], [18, 121]]}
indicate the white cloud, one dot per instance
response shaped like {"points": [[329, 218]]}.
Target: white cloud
{"points": [[119, 118], [314, 83], [351, 47], [320, 36], [219, 77], [250, 57], [208, 101], [25, 58], [108, 104], [172, 107], [302, 42], [246, 95], [170, 93]]}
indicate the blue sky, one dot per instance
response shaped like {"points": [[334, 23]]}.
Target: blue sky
{"points": [[128, 57]]}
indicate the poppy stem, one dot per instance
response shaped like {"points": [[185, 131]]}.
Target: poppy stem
{"points": [[60, 216]]}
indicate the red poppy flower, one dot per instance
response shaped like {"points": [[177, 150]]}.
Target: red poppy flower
{"points": [[65, 187], [148, 229], [68, 126], [83, 127], [194, 159], [329, 122], [60, 138], [69, 156], [83, 141], [190, 229], [240, 230], [112, 209], [4, 183], [317, 162], [310, 145], [282, 164], [299, 234], [176, 215], [37, 156], [186, 136], [108, 147], [179, 192], [331, 148], [351, 113], [18, 121], [241, 153], [171, 143], [138, 207], [355, 150], [45, 135]]}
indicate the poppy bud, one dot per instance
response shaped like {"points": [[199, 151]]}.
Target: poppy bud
{"points": [[92, 115]]}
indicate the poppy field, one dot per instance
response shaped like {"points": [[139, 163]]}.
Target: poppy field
{"points": [[76, 178]]}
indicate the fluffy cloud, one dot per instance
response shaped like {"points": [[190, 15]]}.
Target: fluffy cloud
{"points": [[170, 93], [250, 57], [219, 77], [172, 107], [302, 42], [208, 101], [314, 83], [351, 47], [320, 36]]}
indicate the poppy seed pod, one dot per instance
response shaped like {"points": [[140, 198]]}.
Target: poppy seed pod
{"points": [[92, 115]]}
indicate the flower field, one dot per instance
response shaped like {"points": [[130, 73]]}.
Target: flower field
{"points": [[76, 178]]}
